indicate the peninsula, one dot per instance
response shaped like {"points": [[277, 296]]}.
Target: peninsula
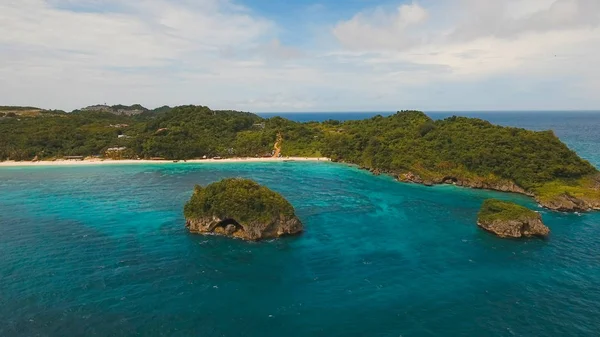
{"points": [[409, 145], [240, 208]]}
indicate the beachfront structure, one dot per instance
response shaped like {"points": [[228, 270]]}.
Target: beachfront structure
{"points": [[115, 152], [116, 149]]}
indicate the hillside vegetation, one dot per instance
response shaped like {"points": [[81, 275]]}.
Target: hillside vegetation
{"points": [[467, 151], [456, 147]]}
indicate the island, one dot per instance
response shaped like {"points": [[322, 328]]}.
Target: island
{"points": [[509, 220], [240, 208], [408, 145]]}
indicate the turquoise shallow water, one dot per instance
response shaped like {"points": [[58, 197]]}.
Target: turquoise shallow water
{"points": [[102, 251]]}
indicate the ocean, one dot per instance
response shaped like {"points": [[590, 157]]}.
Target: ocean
{"points": [[103, 251]]}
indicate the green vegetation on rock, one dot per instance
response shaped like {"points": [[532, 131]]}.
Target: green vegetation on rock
{"points": [[240, 208], [509, 220], [493, 209], [469, 152], [241, 199], [458, 147]]}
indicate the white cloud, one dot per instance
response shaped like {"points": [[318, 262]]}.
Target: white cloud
{"points": [[145, 33], [470, 41], [463, 20], [379, 29], [274, 49], [475, 54], [511, 18], [93, 54]]}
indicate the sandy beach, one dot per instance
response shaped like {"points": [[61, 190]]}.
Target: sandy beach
{"points": [[63, 162]]}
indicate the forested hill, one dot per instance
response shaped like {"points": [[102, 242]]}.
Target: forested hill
{"points": [[408, 145], [456, 147]]}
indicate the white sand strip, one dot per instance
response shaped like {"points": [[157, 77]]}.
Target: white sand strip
{"points": [[62, 162]]}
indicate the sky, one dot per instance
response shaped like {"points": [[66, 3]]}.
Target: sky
{"points": [[302, 55]]}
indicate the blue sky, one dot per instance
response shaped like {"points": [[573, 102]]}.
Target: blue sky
{"points": [[329, 55]]}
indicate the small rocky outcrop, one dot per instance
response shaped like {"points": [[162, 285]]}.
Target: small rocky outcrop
{"points": [[509, 220], [410, 177], [240, 208], [376, 171]]}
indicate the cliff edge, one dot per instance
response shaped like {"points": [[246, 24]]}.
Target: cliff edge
{"points": [[240, 208], [509, 220]]}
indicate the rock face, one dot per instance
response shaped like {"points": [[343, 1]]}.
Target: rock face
{"points": [[516, 228], [240, 208], [252, 231], [588, 200], [508, 220], [564, 202], [569, 203], [575, 199], [502, 185]]}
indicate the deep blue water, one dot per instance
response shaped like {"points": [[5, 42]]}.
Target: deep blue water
{"points": [[102, 251]]}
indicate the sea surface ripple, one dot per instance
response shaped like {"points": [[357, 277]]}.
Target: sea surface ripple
{"points": [[103, 251]]}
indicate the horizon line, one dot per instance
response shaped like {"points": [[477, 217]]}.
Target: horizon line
{"points": [[334, 111], [425, 111]]}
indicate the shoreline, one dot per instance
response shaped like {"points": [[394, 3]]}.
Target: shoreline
{"points": [[64, 162], [107, 162]]}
